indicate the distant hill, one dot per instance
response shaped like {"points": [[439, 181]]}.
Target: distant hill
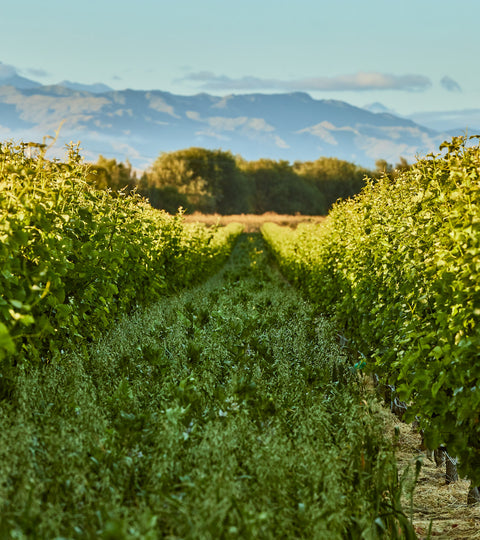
{"points": [[377, 107], [96, 88], [19, 82], [138, 125], [450, 121]]}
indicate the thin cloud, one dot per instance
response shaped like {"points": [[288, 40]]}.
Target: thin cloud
{"points": [[7, 71], [361, 81], [35, 72], [450, 85]]}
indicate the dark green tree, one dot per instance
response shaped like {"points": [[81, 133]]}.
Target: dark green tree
{"points": [[279, 189], [108, 173], [335, 178], [209, 180], [382, 167], [165, 198]]}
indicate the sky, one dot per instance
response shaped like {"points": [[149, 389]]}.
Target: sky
{"points": [[411, 56]]}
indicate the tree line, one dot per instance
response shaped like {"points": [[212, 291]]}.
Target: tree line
{"points": [[216, 181]]}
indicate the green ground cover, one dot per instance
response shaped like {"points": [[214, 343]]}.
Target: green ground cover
{"points": [[225, 411]]}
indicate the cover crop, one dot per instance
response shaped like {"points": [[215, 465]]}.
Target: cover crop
{"points": [[226, 411], [399, 265], [73, 258]]}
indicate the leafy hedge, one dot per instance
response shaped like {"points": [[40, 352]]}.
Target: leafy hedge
{"points": [[399, 265], [73, 258]]}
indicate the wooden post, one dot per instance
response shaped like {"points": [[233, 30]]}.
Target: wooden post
{"points": [[451, 474], [473, 495]]}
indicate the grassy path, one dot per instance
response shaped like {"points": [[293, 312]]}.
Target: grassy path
{"points": [[225, 412]]}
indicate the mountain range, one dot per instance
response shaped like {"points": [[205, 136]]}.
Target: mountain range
{"points": [[138, 125]]}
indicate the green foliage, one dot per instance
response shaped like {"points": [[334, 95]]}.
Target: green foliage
{"points": [[73, 258], [334, 178], [214, 181], [208, 179], [279, 189], [227, 411], [400, 268], [108, 174], [166, 198], [382, 167]]}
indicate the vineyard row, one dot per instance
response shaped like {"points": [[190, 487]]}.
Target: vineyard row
{"points": [[73, 258], [399, 267]]}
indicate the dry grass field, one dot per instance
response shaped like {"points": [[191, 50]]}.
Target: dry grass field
{"points": [[439, 510], [252, 222]]}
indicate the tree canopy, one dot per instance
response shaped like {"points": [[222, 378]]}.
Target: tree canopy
{"points": [[278, 188], [334, 178], [210, 181], [107, 173]]}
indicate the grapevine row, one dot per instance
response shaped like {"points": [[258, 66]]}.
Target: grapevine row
{"points": [[399, 266], [72, 258]]}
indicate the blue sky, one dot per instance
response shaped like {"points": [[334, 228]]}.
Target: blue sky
{"points": [[413, 55]]}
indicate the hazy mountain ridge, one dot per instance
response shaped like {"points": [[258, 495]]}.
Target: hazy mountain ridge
{"points": [[138, 125], [17, 81], [455, 122]]}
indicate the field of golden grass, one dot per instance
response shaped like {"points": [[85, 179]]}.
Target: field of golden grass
{"points": [[252, 222]]}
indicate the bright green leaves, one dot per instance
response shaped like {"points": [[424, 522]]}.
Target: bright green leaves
{"points": [[400, 268], [7, 345], [72, 258]]}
